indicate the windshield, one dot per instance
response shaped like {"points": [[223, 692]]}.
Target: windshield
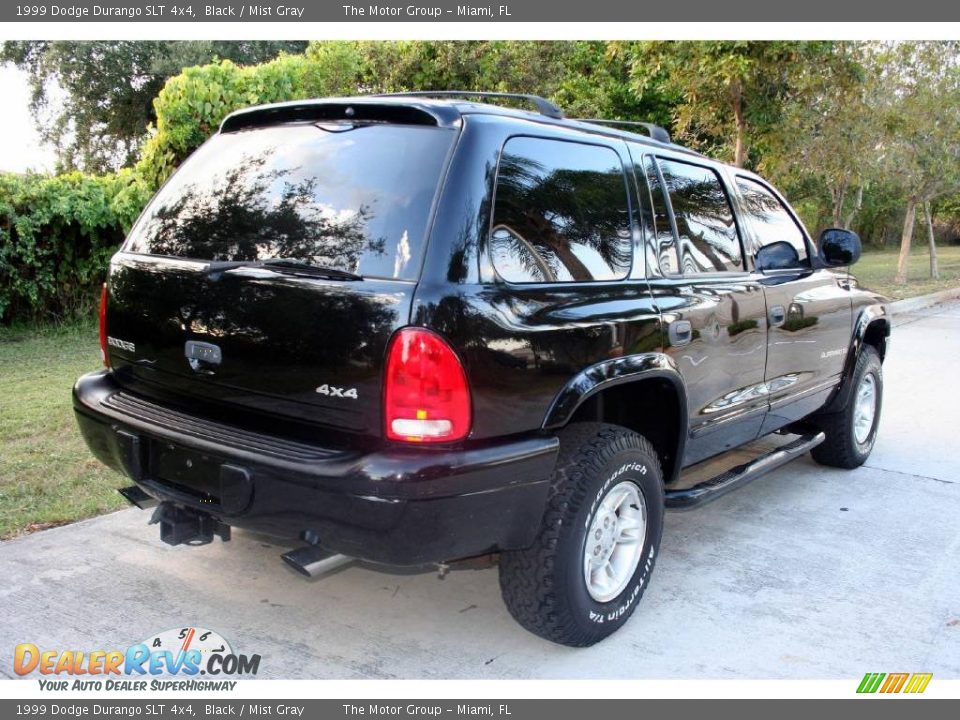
{"points": [[352, 198]]}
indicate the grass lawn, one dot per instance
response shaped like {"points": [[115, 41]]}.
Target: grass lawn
{"points": [[877, 268], [47, 475]]}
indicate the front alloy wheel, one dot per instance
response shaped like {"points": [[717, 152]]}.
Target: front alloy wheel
{"points": [[865, 409], [614, 542], [852, 430]]}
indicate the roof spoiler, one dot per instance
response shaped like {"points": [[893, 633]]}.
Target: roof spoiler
{"points": [[337, 109]]}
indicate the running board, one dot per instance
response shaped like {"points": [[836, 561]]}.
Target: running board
{"points": [[742, 474]]}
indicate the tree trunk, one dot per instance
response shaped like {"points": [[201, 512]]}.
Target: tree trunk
{"points": [[934, 268], [739, 148], [839, 196], [857, 204], [905, 239]]}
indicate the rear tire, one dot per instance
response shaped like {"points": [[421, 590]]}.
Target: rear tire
{"points": [[588, 568], [852, 431]]}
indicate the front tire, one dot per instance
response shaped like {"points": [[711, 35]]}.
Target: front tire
{"points": [[591, 561], [852, 431]]}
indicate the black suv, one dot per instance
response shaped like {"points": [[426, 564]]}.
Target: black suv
{"points": [[413, 330]]}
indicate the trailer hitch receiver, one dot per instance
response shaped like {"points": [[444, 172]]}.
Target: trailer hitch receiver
{"points": [[179, 525]]}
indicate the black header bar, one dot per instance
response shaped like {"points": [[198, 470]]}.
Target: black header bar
{"points": [[500, 11]]}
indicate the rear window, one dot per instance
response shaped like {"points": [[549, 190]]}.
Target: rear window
{"points": [[353, 198]]}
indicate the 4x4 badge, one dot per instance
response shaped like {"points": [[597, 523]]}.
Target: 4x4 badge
{"points": [[334, 391]]}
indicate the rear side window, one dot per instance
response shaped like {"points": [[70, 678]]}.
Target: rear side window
{"points": [[355, 198], [560, 213], [769, 219], [706, 229]]}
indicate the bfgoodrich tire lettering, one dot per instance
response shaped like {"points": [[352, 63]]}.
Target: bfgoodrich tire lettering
{"points": [[544, 586]]}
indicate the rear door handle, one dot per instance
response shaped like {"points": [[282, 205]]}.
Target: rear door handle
{"points": [[680, 332], [777, 315]]}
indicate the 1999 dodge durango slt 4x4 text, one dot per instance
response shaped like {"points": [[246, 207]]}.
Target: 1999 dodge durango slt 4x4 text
{"points": [[415, 329]]}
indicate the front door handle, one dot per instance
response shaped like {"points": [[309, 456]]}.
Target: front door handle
{"points": [[777, 315], [680, 332]]}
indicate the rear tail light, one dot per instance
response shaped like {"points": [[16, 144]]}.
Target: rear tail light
{"points": [[426, 398], [103, 325]]}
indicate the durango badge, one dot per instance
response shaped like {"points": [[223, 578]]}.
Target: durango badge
{"points": [[121, 344]]}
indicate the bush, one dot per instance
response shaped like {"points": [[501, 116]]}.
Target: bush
{"points": [[56, 237], [192, 105], [57, 233]]}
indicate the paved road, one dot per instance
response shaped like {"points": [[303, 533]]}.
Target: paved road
{"points": [[807, 573]]}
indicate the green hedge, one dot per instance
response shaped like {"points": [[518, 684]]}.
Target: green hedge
{"points": [[56, 236], [192, 104], [57, 233]]}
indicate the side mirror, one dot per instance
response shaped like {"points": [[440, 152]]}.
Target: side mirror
{"points": [[839, 247], [779, 255]]}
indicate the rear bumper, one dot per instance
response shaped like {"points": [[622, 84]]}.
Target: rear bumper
{"points": [[395, 506]]}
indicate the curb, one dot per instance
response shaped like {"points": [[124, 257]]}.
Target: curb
{"points": [[918, 303]]}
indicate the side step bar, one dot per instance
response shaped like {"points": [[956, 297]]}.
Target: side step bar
{"points": [[742, 474]]}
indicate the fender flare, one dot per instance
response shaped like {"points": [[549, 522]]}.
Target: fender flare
{"points": [[869, 315], [620, 371]]}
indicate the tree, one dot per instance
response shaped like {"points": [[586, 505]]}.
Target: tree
{"points": [[921, 147], [828, 132], [727, 94], [94, 100], [587, 79], [191, 105]]}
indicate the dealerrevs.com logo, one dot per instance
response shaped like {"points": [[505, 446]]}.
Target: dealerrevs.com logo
{"points": [[154, 664]]}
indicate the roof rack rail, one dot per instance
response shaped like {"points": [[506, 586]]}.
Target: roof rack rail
{"points": [[544, 106], [656, 132]]}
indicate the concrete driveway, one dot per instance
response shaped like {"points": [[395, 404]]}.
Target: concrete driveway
{"points": [[807, 573]]}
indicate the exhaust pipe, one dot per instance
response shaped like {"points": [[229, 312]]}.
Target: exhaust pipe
{"points": [[137, 497], [313, 561]]}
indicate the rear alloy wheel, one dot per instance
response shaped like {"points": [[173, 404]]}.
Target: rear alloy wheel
{"points": [[852, 431], [591, 561]]}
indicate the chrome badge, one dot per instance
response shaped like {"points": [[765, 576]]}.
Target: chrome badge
{"points": [[334, 391], [202, 355], [121, 344]]}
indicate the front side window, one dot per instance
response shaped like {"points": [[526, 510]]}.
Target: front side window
{"points": [[560, 213], [770, 221], [706, 229]]}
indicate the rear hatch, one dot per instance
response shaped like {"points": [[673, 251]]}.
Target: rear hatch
{"points": [[271, 271]]}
